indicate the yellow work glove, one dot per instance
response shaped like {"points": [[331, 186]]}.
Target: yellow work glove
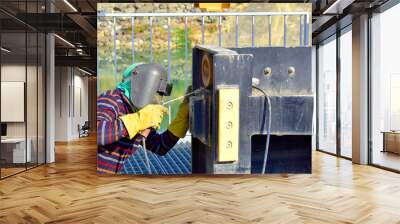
{"points": [[149, 116], [180, 125]]}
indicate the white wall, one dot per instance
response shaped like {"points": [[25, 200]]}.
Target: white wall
{"points": [[80, 110], [61, 103], [12, 73], [71, 102], [33, 126]]}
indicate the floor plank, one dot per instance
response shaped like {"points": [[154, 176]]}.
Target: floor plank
{"points": [[386, 159], [70, 191]]}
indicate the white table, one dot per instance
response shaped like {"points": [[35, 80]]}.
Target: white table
{"points": [[19, 155]]}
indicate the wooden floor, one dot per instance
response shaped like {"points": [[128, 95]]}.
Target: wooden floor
{"points": [[387, 159], [70, 191], [10, 171], [5, 172]]}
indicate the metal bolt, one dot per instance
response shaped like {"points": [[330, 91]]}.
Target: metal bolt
{"points": [[291, 71], [267, 71], [229, 105], [229, 125], [255, 81], [229, 145]]}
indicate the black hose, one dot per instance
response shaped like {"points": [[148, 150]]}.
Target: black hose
{"points": [[269, 128], [145, 155]]}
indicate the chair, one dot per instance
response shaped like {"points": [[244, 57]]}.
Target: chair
{"points": [[84, 130]]}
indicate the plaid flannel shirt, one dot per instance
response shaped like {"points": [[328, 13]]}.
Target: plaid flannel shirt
{"points": [[114, 145]]}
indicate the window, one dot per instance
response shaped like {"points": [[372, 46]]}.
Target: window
{"points": [[327, 97], [385, 89], [346, 93], [22, 76]]}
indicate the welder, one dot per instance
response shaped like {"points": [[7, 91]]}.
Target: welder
{"points": [[131, 114]]}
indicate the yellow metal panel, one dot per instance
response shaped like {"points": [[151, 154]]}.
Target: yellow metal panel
{"points": [[228, 124], [213, 7]]}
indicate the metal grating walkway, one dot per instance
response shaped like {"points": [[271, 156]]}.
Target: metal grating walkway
{"points": [[176, 161]]}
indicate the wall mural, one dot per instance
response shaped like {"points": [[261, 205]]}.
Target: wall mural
{"points": [[207, 88]]}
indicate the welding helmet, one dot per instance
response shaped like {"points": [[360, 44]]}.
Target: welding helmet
{"points": [[145, 84]]}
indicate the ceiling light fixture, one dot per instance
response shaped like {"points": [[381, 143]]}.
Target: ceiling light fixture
{"points": [[64, 40], [333, 6], [70, 5], [337, 7], [84, 71], [5, 50]]}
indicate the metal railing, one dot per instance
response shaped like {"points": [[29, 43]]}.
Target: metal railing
{"points": [[304, 28]]}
